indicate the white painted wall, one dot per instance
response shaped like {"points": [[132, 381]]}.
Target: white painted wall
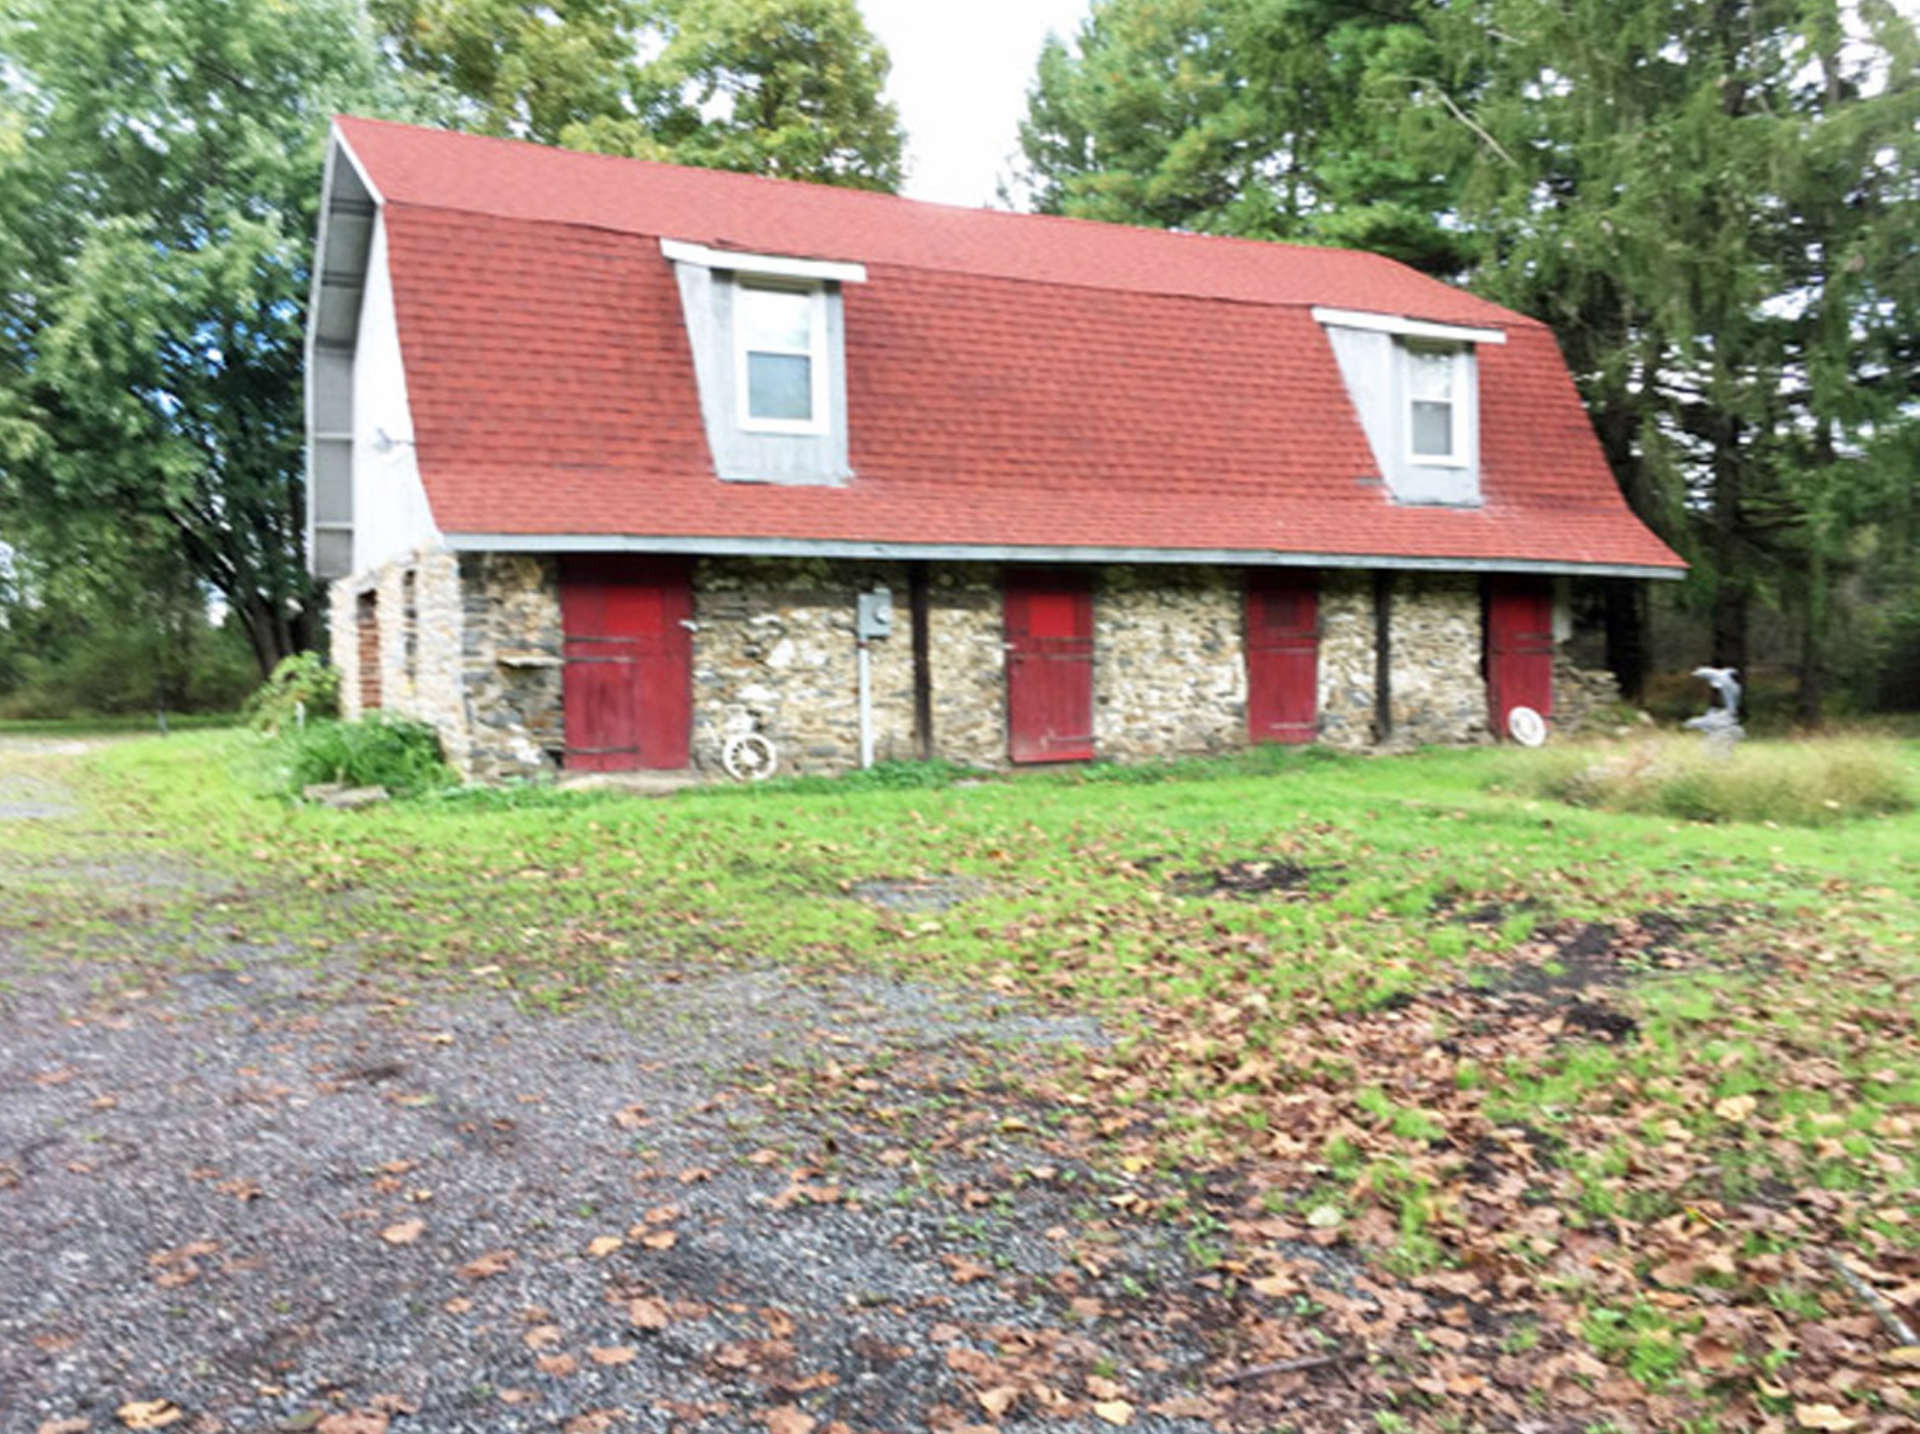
{"points": [[390, 513]]}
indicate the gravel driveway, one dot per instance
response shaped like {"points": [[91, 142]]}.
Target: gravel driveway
{"points": [[254, 1190]]}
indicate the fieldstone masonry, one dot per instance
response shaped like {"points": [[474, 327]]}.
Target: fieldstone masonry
{"points": [[774, 652], [1346, 658], [1439, 692], [1168, 679], [472, 644]]}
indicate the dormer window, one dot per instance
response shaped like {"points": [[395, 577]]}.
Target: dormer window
{"points": [[779, 334], [768, 334], [1415, 388], [1435, 380]]}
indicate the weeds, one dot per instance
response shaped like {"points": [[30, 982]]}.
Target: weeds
{"points": [[1789, 783]]}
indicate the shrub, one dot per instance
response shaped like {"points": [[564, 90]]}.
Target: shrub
{"points": [[300, 688], [377, 751], [1810, 783]]}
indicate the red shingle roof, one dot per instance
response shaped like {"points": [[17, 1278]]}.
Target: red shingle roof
{"points": [[1012, 380]]}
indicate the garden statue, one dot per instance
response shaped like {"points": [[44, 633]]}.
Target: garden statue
{"points": [[1720, 726]]}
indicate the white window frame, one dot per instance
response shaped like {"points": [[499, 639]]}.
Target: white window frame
{"points": [[816, 355], [1458, 397]]}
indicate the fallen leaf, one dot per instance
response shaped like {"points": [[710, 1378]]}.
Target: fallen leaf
{"points": [[659, 1239], [787, 1420], [600, 1246], [494, 1262], [1114, 1411], [1101, 1388], [556, 1364], [648, 1314], [76, 1425], [610, 1354], [149, 1413], [1737, 1108], [352, 1422], [1822, 1416], [594, 1421], [459, 1304], [542, 1336], [964, 1271], [631, 1117], [404, 1233], [999, 1399]]}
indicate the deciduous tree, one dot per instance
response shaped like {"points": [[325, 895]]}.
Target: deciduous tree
{"points": [[158, 176]]}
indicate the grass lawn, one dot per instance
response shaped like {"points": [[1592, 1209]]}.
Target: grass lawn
{"points": [[1613, 1113]]}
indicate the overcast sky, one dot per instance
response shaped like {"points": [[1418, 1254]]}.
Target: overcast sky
{"points": [[960, 76]]}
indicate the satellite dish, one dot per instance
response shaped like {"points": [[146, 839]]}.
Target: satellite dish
{"points": [[1526, 726]]}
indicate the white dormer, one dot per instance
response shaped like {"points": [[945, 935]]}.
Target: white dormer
{"points": [[768, 335], [1415, 386]]}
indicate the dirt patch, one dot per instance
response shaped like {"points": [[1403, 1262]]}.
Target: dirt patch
{"points": [[923, 895], [1264, 876]]}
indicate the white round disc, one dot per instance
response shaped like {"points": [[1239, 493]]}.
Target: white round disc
{"points": [[1526, 726]]}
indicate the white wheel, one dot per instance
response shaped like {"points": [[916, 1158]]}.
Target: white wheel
{"points": [[1526, 726], [749, 757]]}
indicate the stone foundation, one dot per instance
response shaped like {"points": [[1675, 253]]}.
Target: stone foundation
{"points": [[1439, 692], [1168, 679], [472, 644]]}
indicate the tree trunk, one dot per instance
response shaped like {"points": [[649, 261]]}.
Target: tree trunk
{"points": [[269, 633]]}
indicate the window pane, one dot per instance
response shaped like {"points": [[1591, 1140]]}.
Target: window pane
{"points": [[1432, 430], [776, 319], [780, 386], [1430, 375]]}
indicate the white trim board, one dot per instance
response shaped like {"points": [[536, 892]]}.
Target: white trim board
{"points": [[1407, 328], [780, 266]]}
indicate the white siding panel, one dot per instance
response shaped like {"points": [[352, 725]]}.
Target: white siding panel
{"points": [[391, 516]]}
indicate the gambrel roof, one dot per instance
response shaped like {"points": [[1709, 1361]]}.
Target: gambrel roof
{"points": [[1016, 385]]}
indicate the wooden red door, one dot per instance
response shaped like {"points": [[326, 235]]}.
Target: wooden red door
{"points": [[1283, 654], [1519, 648], [1049, 618], [627, 679]]}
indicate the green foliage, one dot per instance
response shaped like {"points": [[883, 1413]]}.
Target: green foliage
{"points": [[158, 163], [790, 88], [114, 636], [302, 688], [1241, 117], [1796, 783], [377, 751]]}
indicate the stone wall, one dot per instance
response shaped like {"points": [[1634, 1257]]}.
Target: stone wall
{"points": [[509, 665], [967, 663], [1439, 693], [1585, 699], [774, 652], [1168, 679], [472, 644], [1346, 657]]}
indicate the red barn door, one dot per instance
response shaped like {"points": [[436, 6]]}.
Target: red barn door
{"points": [[1049, 617], [1283, 654], [1519, 648], [626, 684]]}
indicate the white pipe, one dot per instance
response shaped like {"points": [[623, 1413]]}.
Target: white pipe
{"points": [[866, 707]]}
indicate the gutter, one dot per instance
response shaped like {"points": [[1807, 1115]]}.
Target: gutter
{"points": [[1038, 553]]}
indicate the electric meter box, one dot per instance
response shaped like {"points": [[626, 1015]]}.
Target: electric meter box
{"points": [[875, 614]]}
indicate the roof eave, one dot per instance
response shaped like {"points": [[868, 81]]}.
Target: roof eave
{"points": [[1032, 553]]}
